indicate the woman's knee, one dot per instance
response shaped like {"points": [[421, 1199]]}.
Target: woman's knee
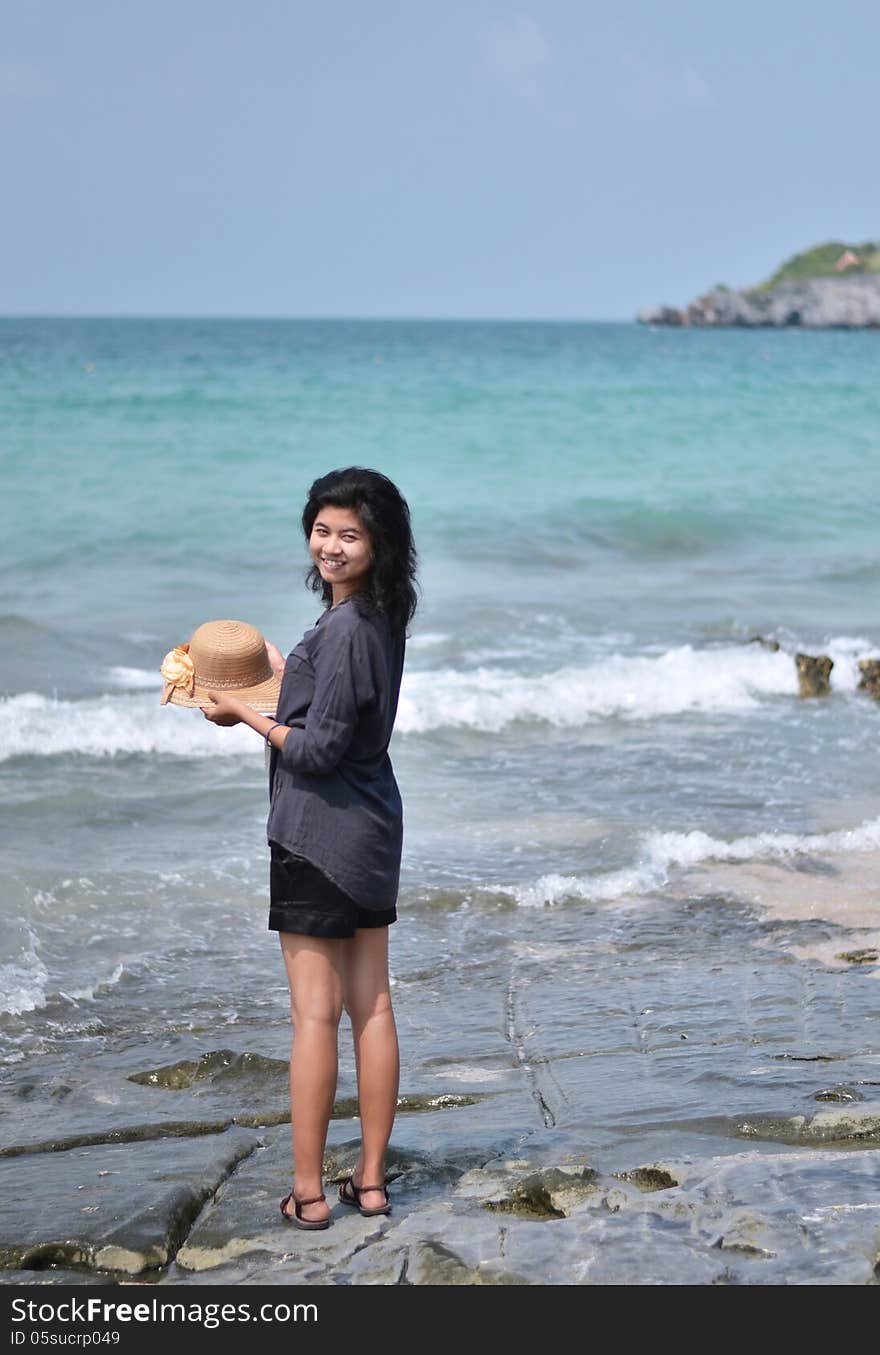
{"points": [[365, 1007], [316, 1010]]}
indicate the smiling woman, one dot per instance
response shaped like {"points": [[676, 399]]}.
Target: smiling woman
{"points": [[336, 823]]}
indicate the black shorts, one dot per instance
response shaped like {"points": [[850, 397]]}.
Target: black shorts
{"points": [[302, 899]]}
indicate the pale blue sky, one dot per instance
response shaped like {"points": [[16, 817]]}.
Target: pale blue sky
{"points": [[217, 157]]}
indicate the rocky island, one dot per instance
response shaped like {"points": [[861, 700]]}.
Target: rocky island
{"points": [[832, 286]]}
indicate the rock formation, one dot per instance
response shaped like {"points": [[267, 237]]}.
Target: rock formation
{"points": [[814, 674], [816, 303], [870, 679]]}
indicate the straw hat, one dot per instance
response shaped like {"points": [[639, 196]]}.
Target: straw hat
{"points": [[223, 656]]}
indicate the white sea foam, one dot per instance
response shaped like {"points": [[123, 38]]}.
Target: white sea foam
{"points": [[39, 726], [663, 853], [135, 679], [846, 651], [601, 888], [23, 981], [630, 688]]}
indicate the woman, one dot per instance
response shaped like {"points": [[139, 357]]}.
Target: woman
{"points": [[335, 823]]}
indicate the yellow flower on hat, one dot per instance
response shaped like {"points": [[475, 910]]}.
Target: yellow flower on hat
{"points": [[178, 670]]}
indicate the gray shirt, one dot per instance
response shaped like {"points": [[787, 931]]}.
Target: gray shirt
{"points": [[333, 795]]}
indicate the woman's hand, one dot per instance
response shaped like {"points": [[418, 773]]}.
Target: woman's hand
{"points": [[226, 710], [276, 659]]}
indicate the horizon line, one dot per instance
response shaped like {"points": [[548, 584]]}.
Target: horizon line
{"points": [[363, 319]]}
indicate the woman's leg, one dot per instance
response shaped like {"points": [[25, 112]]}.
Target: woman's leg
{"points": [[367, 997], [314, 972]]}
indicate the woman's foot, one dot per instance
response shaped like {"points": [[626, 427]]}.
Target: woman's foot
{"points": [[373, 1200], [316, 1211]]}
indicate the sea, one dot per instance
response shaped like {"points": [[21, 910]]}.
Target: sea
{"points": [[625, 536]]}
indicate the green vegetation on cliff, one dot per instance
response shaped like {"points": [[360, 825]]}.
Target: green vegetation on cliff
{"points": [[832, 260]]}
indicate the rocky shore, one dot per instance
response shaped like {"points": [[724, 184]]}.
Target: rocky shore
{"points": [[661, 1094], [848, 302]]}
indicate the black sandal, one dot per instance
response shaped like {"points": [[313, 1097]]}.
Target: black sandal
{"points": [[354, 1199], [296, 1217]]}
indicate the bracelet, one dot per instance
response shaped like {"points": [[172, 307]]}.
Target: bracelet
{"points": [[279, 725]]}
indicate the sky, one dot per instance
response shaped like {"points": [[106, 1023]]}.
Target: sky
{"points": [[448, 158]]}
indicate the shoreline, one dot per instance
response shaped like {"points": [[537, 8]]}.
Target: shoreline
{"points": [[583, 1115]]}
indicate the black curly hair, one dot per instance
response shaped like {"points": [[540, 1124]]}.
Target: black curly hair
{"points": [[390, 586]]}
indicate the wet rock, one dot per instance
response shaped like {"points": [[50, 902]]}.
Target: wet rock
{"points": [[814, 674], [218, 1066], [120, 1208], [839, 1094], [649, 1178], [852, 1125], [550, 1193], [434, 1262], [131, 1133], [439, 1246], [746, 1234], [870, 679], [809, 1058], [865, 956], [450, 1244], [444, 1101]]}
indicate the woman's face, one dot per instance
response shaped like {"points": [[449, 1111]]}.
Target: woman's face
{"points": [[341, 548]]}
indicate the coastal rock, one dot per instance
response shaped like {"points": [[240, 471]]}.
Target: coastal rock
{"points": [[814, 674], [243, 1074], [816, 303], [853, 1124], [649, 1178], [870, 679], [120, 1208], [545, 1193], [866, 955], [242, 1224], [747, 1233], [842, 1095]]}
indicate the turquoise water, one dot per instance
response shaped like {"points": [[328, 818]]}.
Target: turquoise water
{"points": [[606, 516]]}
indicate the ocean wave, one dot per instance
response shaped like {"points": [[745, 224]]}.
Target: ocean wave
{"points": [[90, 991], [668, 850], [663, 853], [487, 699], [630, 688], [32, 725]]}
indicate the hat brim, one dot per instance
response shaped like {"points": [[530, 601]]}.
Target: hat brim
{"points": [[263, 698]]}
